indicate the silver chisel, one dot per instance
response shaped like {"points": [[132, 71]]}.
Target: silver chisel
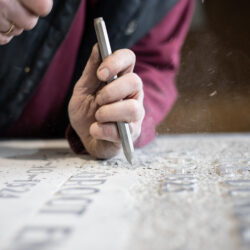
{"points": [[105, 50]]}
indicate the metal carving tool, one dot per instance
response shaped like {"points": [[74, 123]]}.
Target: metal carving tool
{"points": [[105, 50]]}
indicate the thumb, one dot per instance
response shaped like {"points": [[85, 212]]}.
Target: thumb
{"points": [[88, 82]]}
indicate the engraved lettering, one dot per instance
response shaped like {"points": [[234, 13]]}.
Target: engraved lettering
{"points": [[179, 183], [40, 237]]}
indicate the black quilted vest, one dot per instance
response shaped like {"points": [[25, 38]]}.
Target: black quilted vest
{"points": [[127, 22]]}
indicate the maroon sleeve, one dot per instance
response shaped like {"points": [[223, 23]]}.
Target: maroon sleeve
{"points": [[157, 57], [74, 141], [157, 63]]}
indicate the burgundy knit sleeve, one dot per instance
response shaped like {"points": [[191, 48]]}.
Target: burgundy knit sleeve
{"points": [[74, 141], [157, 63]]}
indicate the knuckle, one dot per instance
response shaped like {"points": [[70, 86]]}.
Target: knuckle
{"points": [[30, 23], [5, 40], [118, 52], [100, 114], [16, 32], [93, 131], [136, 81], [19, 32], [116, 58], [108, 131], [113, 64], [131, 54], [44, 7], [126, 53], [134, 110]]}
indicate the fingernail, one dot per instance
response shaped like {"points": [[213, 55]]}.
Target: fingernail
{"points": [[104, 74]]}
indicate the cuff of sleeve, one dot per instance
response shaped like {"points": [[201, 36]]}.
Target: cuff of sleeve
{"points": [[74, 141]]}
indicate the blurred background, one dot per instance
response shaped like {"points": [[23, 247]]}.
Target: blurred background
{"points": [[214, 76]]}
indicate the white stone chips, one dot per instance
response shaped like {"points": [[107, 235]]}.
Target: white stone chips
{"points": [[183, 193]]}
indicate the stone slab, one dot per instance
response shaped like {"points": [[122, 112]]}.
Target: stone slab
{"points": [[184, 192]]}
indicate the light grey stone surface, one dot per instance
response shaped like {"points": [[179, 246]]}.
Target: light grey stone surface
{"points": [[182, 193]]}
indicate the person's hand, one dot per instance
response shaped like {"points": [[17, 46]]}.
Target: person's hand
{"points": [[95, 107], [19, 15]]}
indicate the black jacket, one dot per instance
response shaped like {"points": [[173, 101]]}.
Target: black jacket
{"points": [[127, 22]]}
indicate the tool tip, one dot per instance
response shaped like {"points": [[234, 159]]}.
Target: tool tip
{"points": [[129, 158]]}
